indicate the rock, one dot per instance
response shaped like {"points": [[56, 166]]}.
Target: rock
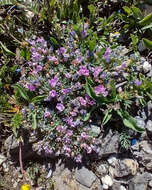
{"points": [[95, 130], [125, 167], [110, 144], [140, 121], [122, 187], [149, 128], [146, 66], [2, 158], [141, 46], [116, 186], [146, 147], [137, 186], [85, 176], [107, 181], [102, 169], [140, 181], [147, 162], [150, 183], [112, 160]]}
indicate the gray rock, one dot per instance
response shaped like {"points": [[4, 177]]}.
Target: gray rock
{"points": [[140, 121], [141, 46], [149, 128], [95, 130], [107, 181], [125, 167], [102, 169], [116, 186], [150, 183], [137, 186], [146, 147], [2, 158], [85, 176], [110, 145]]}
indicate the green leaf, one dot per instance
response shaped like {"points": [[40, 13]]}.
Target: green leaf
{"points": [[38, 98], [107, 117], [147, 20], [6, 50], [147, 27], [54, 41], [34, 124], [129, 121], [92, 44], [52, 3], [99, 99], [87, 116], [147, 43], [114, 92], [137, 12], [21, 91], [127, 10]]}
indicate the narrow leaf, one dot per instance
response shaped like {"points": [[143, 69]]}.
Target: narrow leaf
{"points": [[21, 91], [38, 99], [147, 43], [146, 20], [6, 49], [34, 125]]}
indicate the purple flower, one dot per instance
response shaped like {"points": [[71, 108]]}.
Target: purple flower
{"points": [[84, 135], [69, 121], [83, 102], [69, 133], [68, 75], [100, 90], [73, 114], [31, 87], [60, 107], [83, 112], [36, 57], [123, 66], [66, 91], [62, 50], [53, 82], [83, 71], [88, 149], [32, 50], [47, 114], [107, 54], [52, 58], [52, 93], [97, 71], [37, 69], [78, 158], [137, 82], [84, 33]]}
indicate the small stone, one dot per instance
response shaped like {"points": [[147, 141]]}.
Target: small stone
{"points": [[125, 167], [132, 165], [149, 127], [112, 171], [2, 158], [146, 147], [95, 130], [85, 176], [140, 121], [112, 160], [15, 184], [122, 187], [137, 186], [105, 186], [102, 169], [150, 183], [107, 181], [141, 46], [110, 144]]}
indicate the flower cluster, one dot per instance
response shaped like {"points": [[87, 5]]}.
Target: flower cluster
{"points": [[60, 76]]}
